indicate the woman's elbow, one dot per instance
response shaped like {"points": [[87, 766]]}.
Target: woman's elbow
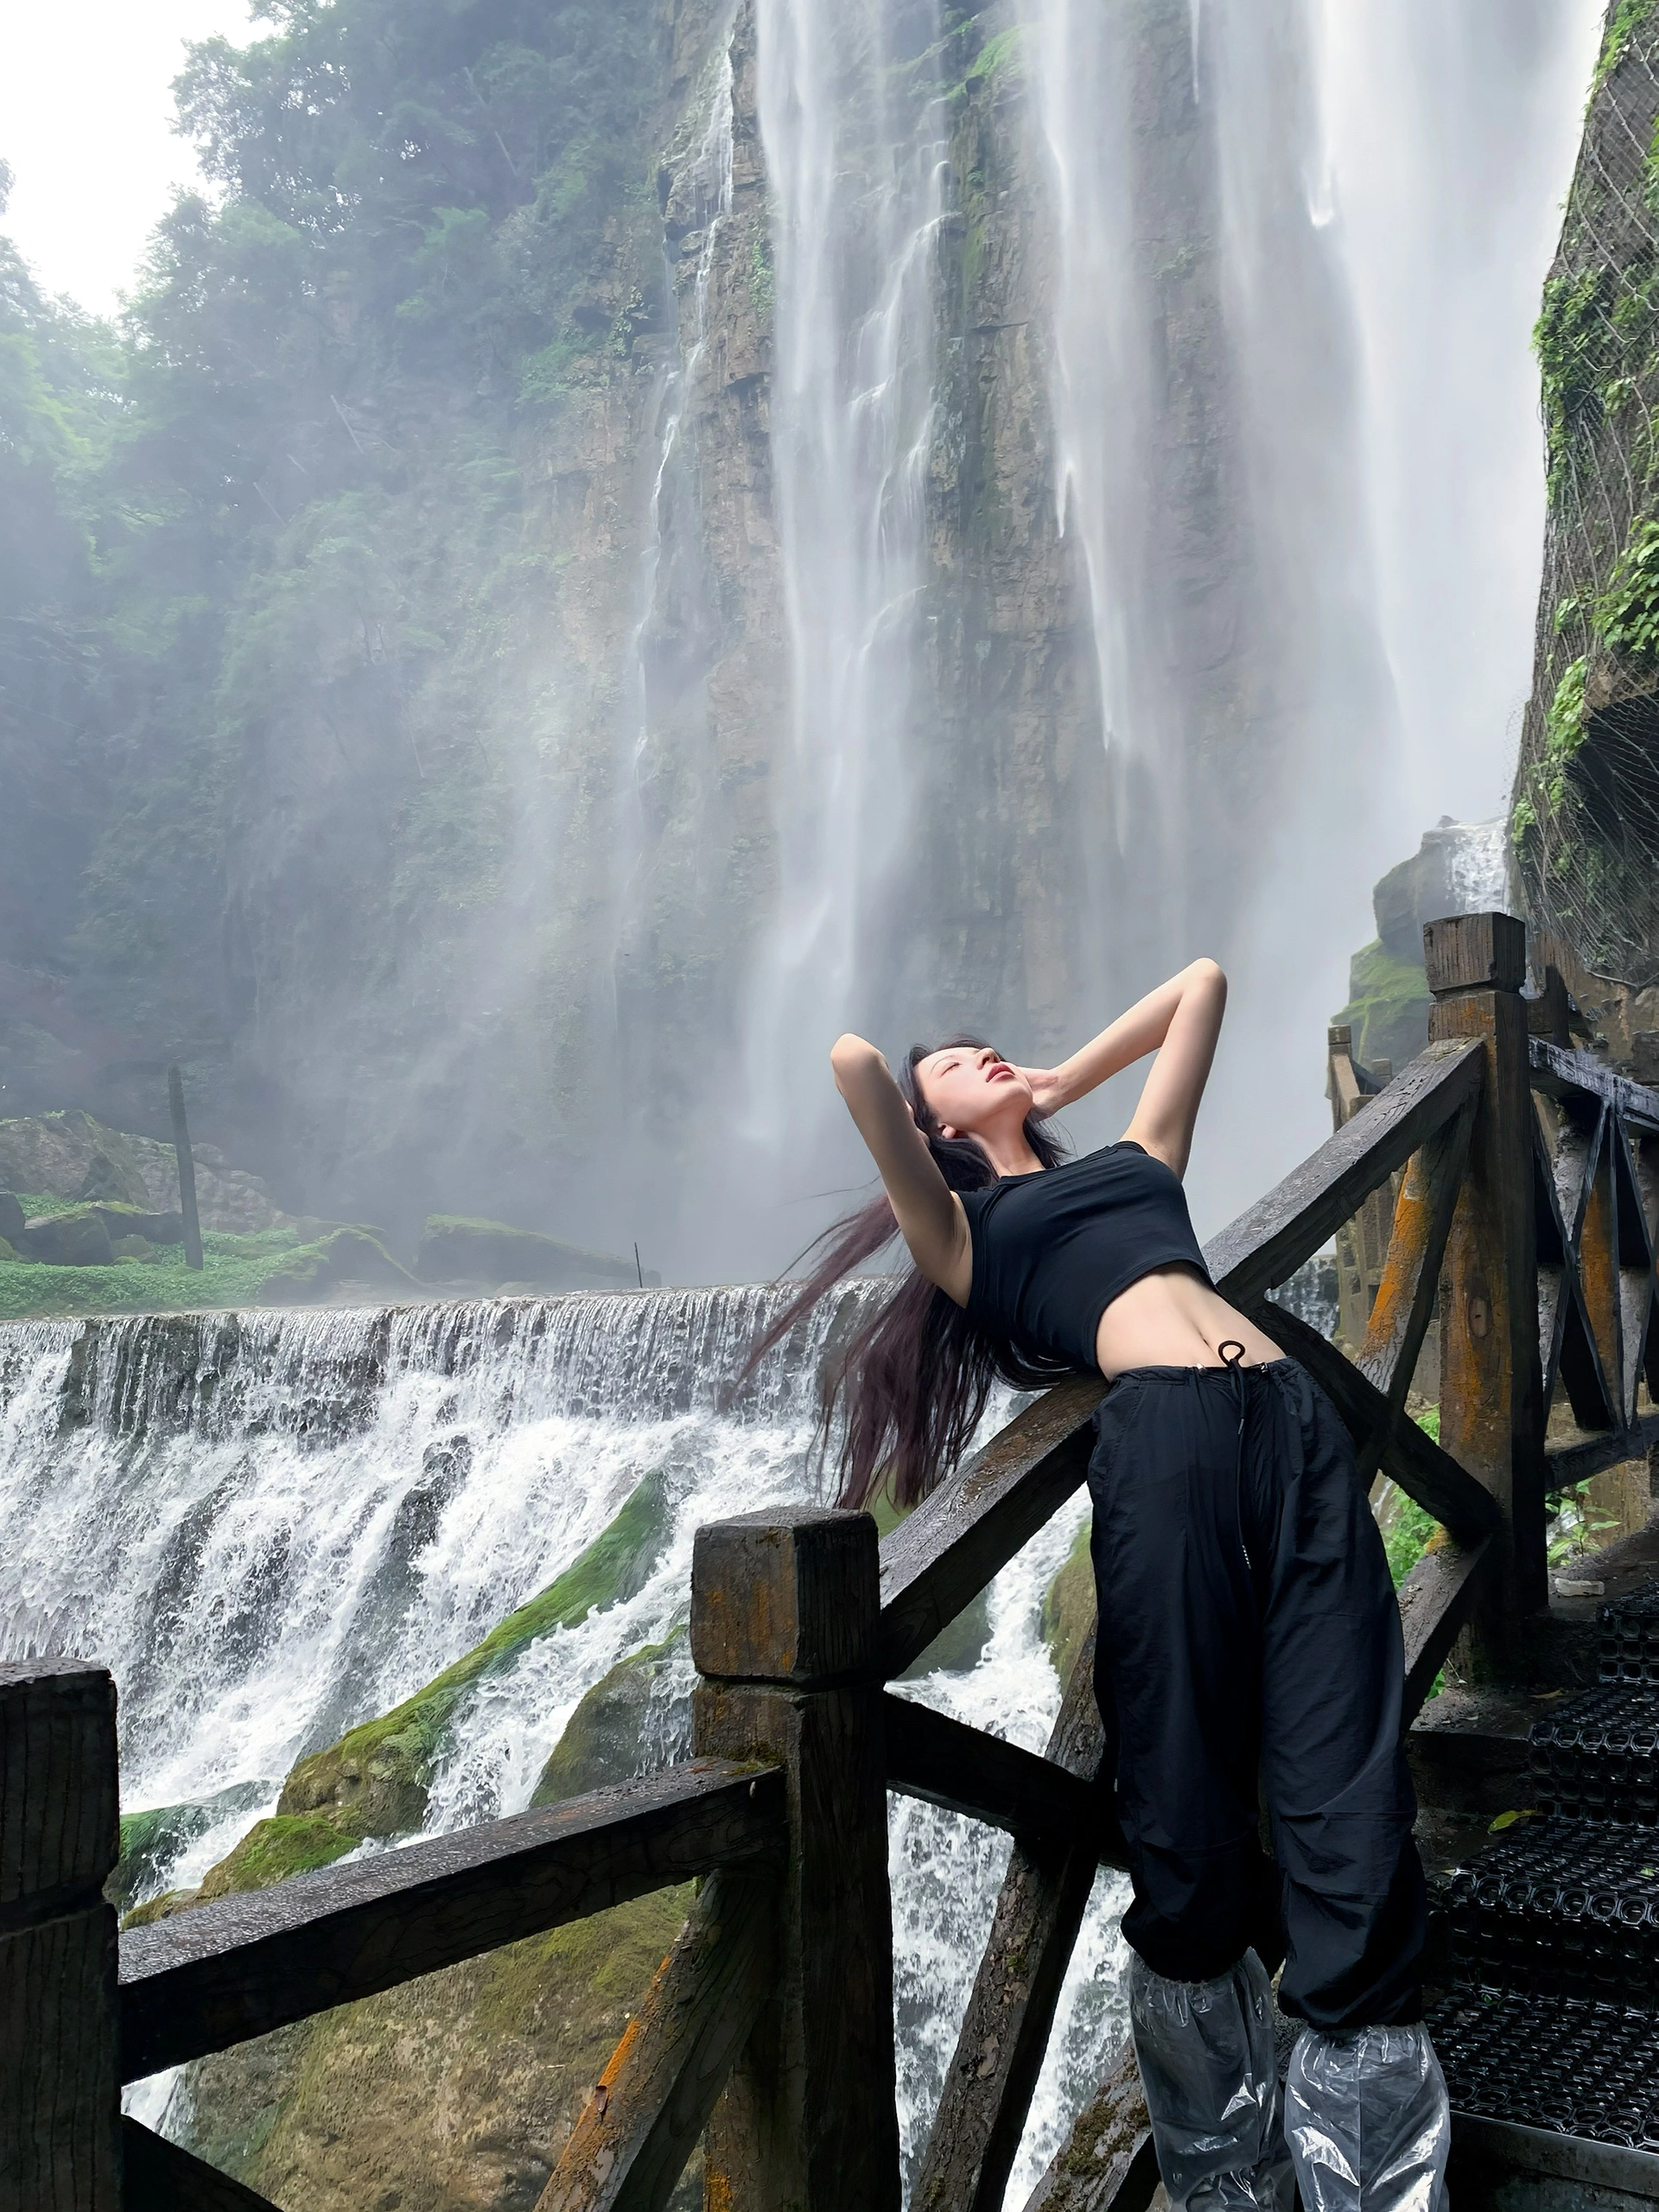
{"points": [[851, 1056], [1209, 973]]}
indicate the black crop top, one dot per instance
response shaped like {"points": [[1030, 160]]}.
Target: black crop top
{"points": [[1053, 1248]]}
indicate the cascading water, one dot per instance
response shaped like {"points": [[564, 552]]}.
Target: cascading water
{"points": [[273, 1526], [853, 132]]}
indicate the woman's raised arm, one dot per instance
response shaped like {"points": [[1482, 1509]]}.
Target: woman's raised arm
{"points": [[929, 1213], [1180, 1021]]}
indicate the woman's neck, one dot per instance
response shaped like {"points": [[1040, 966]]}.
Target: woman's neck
{"points": [[1010, 1154]]}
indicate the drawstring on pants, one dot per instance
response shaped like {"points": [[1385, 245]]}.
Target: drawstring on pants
{"points": [[1231, 1354]]}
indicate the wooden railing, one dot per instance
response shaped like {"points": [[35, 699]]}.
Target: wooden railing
{"points": [[768, 2031]]}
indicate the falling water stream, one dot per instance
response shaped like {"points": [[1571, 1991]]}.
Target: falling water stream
{"points": [[273, 1526]]}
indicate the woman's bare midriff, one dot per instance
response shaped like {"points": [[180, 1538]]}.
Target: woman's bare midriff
{"points": [[1171, 1318]]}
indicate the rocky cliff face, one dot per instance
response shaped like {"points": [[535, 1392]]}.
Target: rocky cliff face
{"points": [[1585, 814]]}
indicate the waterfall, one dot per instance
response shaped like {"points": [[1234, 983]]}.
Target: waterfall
{"points": [[851, 123], [1449, 135], [273, 1526]]}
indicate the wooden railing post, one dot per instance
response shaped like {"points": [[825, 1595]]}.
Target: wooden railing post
{"points": [[1491, 1383], [784, 1615], [60, 2098]]}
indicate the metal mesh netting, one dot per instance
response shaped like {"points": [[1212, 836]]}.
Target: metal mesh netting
{"points": [[1587, 802]]}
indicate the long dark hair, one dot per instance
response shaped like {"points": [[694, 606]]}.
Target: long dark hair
{"points": [[913, 1380]]}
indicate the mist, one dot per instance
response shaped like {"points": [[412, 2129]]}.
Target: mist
{"points": [[525, 630]]}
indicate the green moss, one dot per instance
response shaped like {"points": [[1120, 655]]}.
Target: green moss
{"points": [[232, 1271], [374, 1780], [1069, 1606], [1387, 1007], [605, 1739], [273, 1849], [615, 1955]]}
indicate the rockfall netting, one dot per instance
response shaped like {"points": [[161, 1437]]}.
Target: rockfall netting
{"points": [[1585, 819]]}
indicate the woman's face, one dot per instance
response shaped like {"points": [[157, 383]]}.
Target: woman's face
{"points": [[973, 1090]]}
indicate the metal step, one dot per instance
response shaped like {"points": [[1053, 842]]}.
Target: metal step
{"points": [[1571, 2065], [1597, 1756], [1560, 1908]]}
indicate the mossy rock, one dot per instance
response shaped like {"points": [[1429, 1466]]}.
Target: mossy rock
{"points": [[454, 1249], [76, 1238], [452, 2094], [138, 1248], [315, 1272], [960, 1644], [12, 1218], [161, 1907], [608, 1738], [1387, 1007], [1069, 1606], [122, 1221], [7, 1252], [273, 1849], [153, 1838], [375, 1780]]}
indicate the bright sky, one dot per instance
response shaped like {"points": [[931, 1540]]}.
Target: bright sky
{"points": [[85, 116]]}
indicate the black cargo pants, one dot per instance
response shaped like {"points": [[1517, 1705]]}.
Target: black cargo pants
{"points": [[1248, 1626]]}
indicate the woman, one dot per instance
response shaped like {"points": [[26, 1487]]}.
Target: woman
{"points": [[1248, 1628]]}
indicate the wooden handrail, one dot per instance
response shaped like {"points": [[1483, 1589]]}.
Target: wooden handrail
{"points": [[1561, 1073], [1269, 1241], [221, 1972], [941, 1557]]}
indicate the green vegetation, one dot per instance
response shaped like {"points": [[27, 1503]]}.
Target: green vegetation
{"points": [[233, 1269], [374, 1780], [1627, 614], [272, 1850], [285, 520], [1628, 18], [1387, 1005]]}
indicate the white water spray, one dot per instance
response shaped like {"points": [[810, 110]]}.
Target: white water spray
{"points": [[273, 1526]]}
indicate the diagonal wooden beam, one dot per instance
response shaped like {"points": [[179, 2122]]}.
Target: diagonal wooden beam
{"points": [[988, 2089], [1107, 2163], [966, 1770], [1267, 1243], [158, 2177], [1406, 1294], [1435, 1600], [1415, 1461], [940, 1559], [636, 2132]]}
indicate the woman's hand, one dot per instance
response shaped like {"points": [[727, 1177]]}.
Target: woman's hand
{"points": [[1047, 1093]]}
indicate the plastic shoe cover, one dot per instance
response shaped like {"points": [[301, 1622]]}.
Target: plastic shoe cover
{"points": [[1368, 2120], [1206, 2054]]}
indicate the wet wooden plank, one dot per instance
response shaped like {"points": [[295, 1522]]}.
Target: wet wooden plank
{"points": [[1422, 1469], [941, 1557], [1107, 2163], [242, 1966], [1563, 1075], [631, 2142], [1435, 1600], [966, 1770], [1410, 1281], [59, 2107], [1268, 1242]]}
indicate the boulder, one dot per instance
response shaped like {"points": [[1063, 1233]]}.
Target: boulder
{"points": [[1069, 1606], [68, 1240], [11, 1217], [315, 1273], [455, 1250], [621, 1726], [70, 1156], [132, 1247], [138, 1221]]}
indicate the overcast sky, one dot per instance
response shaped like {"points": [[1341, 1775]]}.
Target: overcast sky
{"points": [[86, 110]]}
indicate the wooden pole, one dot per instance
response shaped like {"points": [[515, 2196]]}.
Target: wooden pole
{"points": [[785, 1629], [186, 1170], [1491, 1383], [59, 2095]]}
